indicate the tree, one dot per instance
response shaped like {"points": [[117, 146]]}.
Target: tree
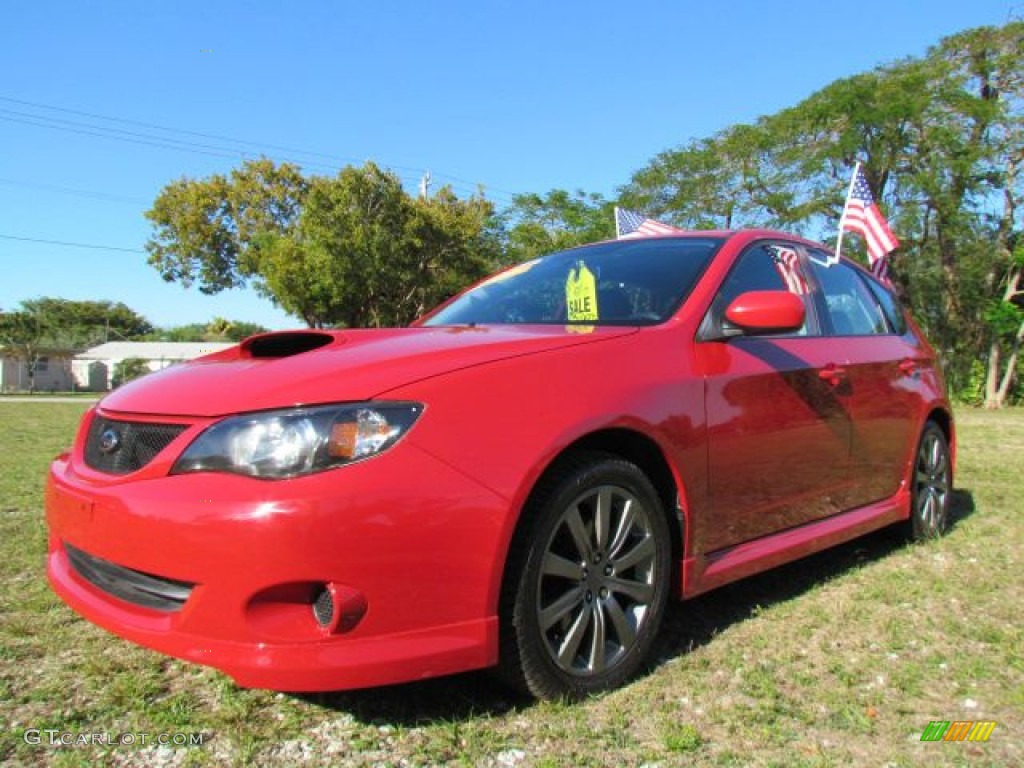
{"points": [[189, 332], [218, 329], [205, 230], [729, 181], [76, 324], [942, 143], [22, 335], [537, 224], [49, 324], [354, 249], [128, 369]]}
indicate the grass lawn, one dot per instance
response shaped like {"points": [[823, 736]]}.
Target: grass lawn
{"points": [[841, 659]]}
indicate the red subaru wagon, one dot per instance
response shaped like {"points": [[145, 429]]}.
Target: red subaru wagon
{"points": [[521, 480]]}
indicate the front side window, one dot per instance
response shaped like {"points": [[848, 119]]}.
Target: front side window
{"points": [[765, 267], [852, 308], [627, 282]]}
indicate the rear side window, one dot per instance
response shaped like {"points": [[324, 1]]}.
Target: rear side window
{"points": [[890, 305], [852, 308]]}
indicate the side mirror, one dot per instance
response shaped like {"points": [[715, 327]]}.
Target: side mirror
{"points": [[765, 312]]}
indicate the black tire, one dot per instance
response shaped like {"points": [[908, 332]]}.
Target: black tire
{"points": [[931, 477], [587, 580]]}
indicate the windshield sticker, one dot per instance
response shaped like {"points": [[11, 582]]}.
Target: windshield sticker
{"points": [[580, 328], [581, 294]]}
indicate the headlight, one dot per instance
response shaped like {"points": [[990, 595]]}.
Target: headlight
{"points": [[278, 444]]}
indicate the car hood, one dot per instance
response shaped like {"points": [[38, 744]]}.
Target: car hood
{"points": [[309, 367]]}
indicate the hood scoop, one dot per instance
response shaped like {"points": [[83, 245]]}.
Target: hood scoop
{"points": [[285, 343]]}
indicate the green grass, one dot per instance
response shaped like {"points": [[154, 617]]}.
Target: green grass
{"points": [[840, 659]]}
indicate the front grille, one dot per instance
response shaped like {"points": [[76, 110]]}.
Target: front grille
{"points": [[131, 586], [120, 447]]}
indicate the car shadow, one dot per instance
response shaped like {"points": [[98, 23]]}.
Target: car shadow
{"points": [[696, 622], [961, 506], [687, 626], [455, 698]]}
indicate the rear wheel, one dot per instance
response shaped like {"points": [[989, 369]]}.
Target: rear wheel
{"points": [[932, 485], [587, 580]]}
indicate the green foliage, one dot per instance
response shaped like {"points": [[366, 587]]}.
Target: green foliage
{"points": [[972, 392], [682, 738], [22, 335], [128, 369], [205, 229], [19, 328], [352, 250], [537, 225], [66, 324], [941, 139], [1004, 319], [47, 325], [218, 329]]}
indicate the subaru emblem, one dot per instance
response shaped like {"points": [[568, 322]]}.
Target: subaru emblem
{"points": [[110, 441]]}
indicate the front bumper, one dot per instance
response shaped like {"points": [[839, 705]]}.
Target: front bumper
{"points": [[420, 544]]}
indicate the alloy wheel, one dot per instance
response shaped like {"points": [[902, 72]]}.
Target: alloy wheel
{"points": [[932, 481], [598, 576]]}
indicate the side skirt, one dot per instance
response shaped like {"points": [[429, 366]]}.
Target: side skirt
{"points": [[706, 572]]}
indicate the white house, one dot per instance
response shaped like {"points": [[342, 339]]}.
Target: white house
{"points": [[94, 368]]}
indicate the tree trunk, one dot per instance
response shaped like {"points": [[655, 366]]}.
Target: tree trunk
{"points": [[998, 382], [999, 378]]}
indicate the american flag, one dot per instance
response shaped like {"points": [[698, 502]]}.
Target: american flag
{"points": [[788, 267], [633, 224], [861, 215]]}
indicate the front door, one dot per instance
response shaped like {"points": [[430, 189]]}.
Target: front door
{"points": [[778, 424]]}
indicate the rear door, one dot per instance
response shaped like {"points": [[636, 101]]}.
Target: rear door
{"points": [[882, 361], [778, 421]]}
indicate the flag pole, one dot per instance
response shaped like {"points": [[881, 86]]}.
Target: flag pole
{"points": [[842, 216]]}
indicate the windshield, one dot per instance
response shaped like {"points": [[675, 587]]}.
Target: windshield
{"points": [[627, 282]]}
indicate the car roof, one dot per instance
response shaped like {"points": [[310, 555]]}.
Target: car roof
{"points": [[746, 235]]}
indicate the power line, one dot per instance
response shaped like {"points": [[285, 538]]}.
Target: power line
{"points": [[131, 137], [162, 143], [106, 196], [113, 132], [142, 124], [72, 244], [167, 142]]}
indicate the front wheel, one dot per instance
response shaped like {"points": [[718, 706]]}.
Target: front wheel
{"points": [[587, 581], [932, 484]]}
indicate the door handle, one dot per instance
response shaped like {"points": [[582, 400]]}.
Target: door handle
{"points": [[833, 374]]}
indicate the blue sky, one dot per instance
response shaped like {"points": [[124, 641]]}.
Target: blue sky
{"points": [[519, 96]]}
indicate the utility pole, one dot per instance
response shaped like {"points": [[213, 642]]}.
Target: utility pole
{"points": [[425, 186]]}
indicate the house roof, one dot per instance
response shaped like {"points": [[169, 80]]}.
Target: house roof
{"points": [[41, 351], [152, 350]]}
